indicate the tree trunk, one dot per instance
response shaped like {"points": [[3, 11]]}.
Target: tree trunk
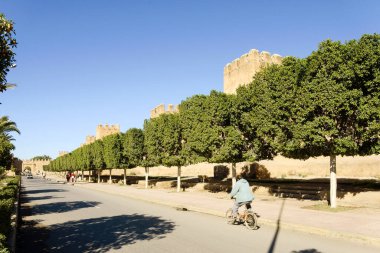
{"points": [[125, 176], [179, 179], [89, 175], [81, 177], [110, 179], [99, 172], [233, 174], [146, 177], [333, 181]]}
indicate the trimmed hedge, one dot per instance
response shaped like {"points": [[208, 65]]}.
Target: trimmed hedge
{"points": [[7, 199]]}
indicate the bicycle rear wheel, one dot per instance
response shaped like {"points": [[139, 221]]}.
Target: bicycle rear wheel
{"points": [[229, 218], [251, 221]]}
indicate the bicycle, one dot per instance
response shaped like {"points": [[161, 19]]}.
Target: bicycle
{"points": [[249, 218]]}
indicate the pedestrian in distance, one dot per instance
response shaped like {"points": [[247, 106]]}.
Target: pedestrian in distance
{"points": [[72, 178]]}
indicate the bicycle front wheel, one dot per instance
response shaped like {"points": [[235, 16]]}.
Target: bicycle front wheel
{"points": [[251, 221]]}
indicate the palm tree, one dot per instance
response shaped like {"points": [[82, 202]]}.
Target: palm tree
{"points": [[7, 126], [6, 86]]}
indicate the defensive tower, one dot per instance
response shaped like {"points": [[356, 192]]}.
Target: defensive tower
{"points": [[241, 70]]}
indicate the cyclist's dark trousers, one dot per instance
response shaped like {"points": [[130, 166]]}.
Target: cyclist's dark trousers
{"points": [[236, 206]]}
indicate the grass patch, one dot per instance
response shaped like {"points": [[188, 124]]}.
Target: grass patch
{"points": [[327, 208]]}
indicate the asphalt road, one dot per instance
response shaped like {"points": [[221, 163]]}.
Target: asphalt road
{"points": [[65, 218]]}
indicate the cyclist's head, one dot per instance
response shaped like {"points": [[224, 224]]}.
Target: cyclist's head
{"points": [[243, 174]]}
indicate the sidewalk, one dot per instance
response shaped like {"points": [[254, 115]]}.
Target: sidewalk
{"points": [[360, 224]]}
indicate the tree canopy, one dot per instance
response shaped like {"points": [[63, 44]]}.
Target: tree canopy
{"points": [[41, 157], [7, 45], [133, 147], [327, 104]]}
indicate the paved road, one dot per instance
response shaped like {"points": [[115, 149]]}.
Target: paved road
{"points": [[66, 218]]}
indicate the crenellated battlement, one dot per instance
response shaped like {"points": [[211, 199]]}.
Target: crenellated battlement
{"points": [[102, 131], [62, 153], [160, 109], [36, 160], [90, 139], [241, 71]]}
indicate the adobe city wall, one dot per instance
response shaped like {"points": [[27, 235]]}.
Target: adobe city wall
{"points": [[160, 109], [101, 132], [34, 165], [241, 70], [279, 167]]}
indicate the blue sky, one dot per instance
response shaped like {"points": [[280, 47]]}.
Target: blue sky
{"points": [[81, 63]]}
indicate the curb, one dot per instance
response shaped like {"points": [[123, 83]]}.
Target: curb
{"points": [[289, 226]]}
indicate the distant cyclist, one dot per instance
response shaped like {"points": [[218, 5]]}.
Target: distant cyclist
{"points": [[242, 193]]}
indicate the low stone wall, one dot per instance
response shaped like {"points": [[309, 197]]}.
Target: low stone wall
{"points": [[347, 167], [279, 167]]}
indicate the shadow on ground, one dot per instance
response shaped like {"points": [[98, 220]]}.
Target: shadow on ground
{"points": [[39, 198], [307, 251], [60, 207], [40, 191], [93, 235]]}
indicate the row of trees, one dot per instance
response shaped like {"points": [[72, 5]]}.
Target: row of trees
{"points": [[7, 61], [8, 189], [327, 104]]}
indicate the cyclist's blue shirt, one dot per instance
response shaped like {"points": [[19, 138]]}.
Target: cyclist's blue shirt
{"points": [[242, 192]]}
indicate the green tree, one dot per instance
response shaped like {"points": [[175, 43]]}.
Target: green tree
{"points": [[326, 104], [6, 147], [152, 145], [264, 108], [97, 151], [88, 159], [133, 150], [340, 112], [7, 127], [208, 131], [7, 56], [41, 157], [112, 152], [171, 143], [163, 143]]}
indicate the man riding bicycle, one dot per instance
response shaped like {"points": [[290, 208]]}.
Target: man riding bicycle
{"points": [[242, 193]]}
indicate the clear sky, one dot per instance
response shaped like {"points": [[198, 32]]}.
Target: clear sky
{"points": [[81, 63]]}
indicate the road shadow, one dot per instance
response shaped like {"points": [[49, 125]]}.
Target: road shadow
{"points": [[274, 240], [60, 207], [93, 235], [39, 198], [307, 251], [40, 191], [31, 237]]}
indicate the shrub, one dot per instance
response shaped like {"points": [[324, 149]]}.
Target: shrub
{"points": [[7, 193], [3, 244], [6, 209], [256, 171], [221, 172], [7, 200]]}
